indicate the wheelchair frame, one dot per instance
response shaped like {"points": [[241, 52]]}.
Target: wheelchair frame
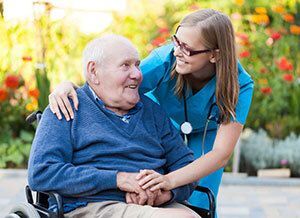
{"points": [[41, 203]]}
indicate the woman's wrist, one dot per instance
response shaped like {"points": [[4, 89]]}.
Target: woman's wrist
{"points": [[172, 181]]}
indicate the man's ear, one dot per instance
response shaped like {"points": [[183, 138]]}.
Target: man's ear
{"points": [[92, 72], [215, 56]]}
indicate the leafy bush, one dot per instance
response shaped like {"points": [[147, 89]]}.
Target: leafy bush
{"points": [[259, 151], [15, 151]]}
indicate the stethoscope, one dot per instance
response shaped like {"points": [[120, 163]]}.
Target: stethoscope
{"points": [[186, 127]]}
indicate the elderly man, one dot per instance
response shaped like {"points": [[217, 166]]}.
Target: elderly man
{"points": [[92, 161]]}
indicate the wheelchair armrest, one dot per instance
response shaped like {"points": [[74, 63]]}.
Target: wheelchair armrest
{"points": [[211, 200], [34, 116], [210, 196], [40, 199]]}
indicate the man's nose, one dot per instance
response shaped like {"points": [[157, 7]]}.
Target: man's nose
{"points": [[136, 73]]}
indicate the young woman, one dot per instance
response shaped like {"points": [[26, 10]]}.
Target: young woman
{"points": [[204, 90]]}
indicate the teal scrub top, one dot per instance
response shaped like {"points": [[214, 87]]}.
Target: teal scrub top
{"points": [[158, 85]]}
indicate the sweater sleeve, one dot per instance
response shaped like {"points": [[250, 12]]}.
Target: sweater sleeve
{"points": [[178, 155], [50, 163]]}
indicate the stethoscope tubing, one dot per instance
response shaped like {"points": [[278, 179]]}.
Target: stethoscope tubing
{"points": [[208, 119]]}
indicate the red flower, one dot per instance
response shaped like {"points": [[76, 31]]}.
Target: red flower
{"points": [[242, 36], [34, 93], [284, 64], [27, 58], [12, 81], [288, 77], [194, 7], [163, 30], [276, 36], [3, 94], [158, 41], [263, 70], [266, 90], [245, 54]]}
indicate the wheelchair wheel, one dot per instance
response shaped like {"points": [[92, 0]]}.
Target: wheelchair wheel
{"points": [[22, 210]]}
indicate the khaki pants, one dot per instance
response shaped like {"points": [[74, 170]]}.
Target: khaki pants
{"points": [[116, 209]]}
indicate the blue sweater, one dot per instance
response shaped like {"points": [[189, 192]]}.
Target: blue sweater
{"points": [[80, 159]]}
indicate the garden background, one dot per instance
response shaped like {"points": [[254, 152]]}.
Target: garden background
{"points": [[36, 54]]}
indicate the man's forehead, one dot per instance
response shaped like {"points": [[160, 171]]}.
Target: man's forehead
{"points": [[122, 51]]}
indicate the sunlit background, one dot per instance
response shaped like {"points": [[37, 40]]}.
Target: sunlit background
{"points": [[41, 44]]}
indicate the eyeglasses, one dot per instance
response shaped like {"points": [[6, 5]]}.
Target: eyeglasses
{"points": [[186, 50]]}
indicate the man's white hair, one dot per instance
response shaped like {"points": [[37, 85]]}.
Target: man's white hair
{"points": [[95, 49]]}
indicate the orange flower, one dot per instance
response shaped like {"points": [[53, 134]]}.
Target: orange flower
{"points": [[12, 81], [284, 64], [3, 94], [260, 10], [35, 93], [26, 58], [158, 41], [275, 36], [261, 19], [263, 81], [278, 9], [295, 29], [32, 106], [244, 54], [239, 2], [288, 77], [288, 18], [266, 90]]}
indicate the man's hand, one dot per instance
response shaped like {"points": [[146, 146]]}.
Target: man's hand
{"points": [[127, 182], [133, 198], [162, 197]]}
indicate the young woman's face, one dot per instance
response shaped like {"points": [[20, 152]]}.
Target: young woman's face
{"points": [[185, 64]]}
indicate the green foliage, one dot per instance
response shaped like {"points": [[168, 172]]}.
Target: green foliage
{"points": [[14, 152], [269, 49], [267, 35], [43, 84]]}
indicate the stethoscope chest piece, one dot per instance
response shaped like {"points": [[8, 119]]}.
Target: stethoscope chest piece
{"points": [[186, 128]]}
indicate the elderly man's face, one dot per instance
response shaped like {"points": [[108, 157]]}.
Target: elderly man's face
{"points": [[119, 76]]}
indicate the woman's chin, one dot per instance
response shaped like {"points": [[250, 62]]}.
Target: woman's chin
{"points": [[181, 70]]}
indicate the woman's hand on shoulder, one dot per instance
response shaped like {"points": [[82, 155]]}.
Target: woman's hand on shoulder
{"points": [[59, 102]]}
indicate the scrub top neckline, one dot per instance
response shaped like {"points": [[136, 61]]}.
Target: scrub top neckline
{"points": [[207, 88]]}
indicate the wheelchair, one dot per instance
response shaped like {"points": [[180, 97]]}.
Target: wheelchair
{"points": [[38, 208]]}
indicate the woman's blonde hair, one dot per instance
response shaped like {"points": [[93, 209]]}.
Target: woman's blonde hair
{"points": [[216, 31]]}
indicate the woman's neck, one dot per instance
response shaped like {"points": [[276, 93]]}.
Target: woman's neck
{"points": [[197, 80]]}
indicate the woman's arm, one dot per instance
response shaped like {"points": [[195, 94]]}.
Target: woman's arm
{"points": [[226, 139], [59, 102]]}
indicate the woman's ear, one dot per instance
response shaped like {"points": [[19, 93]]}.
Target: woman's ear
{"points": [[215, 56], [92, 72]]}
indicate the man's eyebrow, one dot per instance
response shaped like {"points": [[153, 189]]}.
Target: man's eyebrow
{"points": [[130, 60]]}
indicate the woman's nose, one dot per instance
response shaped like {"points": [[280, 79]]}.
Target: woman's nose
{"points": [[177, 51]]}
